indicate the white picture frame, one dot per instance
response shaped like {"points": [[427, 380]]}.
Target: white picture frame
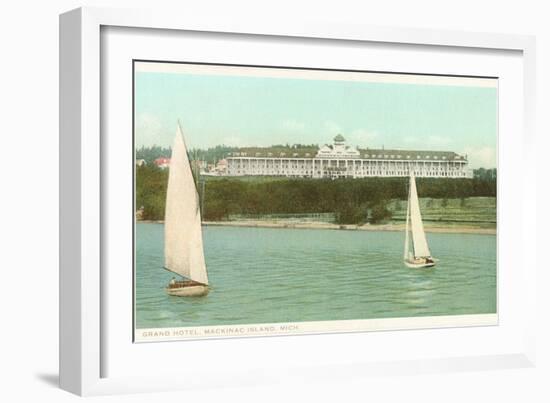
{"points": [[83, 343]]}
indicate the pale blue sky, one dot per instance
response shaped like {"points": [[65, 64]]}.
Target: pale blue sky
{"points": [[261, 111]]}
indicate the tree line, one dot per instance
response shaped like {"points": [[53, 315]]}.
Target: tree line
{"points": [[210, 155], [352, 200]]}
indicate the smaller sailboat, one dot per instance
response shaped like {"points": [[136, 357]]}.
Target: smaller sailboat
{"points": [[419, 255], [183, 248]]}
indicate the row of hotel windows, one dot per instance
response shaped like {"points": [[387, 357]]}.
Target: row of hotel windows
{"points": [[355, 161], [363, 171], [368, 172], [392, 156], [440, 167], [418, 157]]}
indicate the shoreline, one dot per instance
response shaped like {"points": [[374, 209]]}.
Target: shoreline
{"points": [[428, 227]]}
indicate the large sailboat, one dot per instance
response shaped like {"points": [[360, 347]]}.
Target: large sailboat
{"points": [[419, 255], [183, 248]]}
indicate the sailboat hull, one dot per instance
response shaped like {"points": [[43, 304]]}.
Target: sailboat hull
{"points": [[188, 291], [414, 265]]}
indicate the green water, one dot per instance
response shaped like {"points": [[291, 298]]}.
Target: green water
{"points": [[264, 275]]}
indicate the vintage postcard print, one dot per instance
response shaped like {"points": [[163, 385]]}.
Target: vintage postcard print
{"points": [[272, 201]]}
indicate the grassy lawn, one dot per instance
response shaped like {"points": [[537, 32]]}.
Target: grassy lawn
{"points": [[471, 209]]}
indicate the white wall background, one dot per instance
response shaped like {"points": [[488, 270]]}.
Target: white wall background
{"points": [[29, 186]]}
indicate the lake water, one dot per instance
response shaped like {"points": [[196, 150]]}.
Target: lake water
{"points": [[267, 275]]}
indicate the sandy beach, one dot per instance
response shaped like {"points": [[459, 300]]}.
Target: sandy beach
{"points": [[429, 227], [454, 228]]}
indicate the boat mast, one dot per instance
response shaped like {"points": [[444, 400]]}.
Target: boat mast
{"points": [[406, 251]]}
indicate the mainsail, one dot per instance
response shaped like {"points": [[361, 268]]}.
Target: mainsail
{"points": [[420, 244], [183, 249]]}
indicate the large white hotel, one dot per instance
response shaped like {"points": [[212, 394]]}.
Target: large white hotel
{"points": [[342, 161]]}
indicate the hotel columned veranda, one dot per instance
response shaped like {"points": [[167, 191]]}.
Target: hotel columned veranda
{"points": [[342, 161]]}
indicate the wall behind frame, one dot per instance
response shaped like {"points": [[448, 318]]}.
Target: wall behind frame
{"points": [[29, 83]]}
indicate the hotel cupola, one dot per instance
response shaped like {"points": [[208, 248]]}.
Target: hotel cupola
{"points": [[338, 149]]}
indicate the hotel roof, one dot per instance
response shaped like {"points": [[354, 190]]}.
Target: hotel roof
{"points": [[367, 153], [339, 138]]}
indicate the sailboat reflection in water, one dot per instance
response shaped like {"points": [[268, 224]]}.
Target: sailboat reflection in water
{"points": [[183, 248], [419, 256]]}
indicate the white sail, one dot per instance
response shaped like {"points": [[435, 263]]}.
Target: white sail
{"points": [[183, 249], [420, 244], [406, 251]]}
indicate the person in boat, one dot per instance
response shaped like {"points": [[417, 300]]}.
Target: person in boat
{"points": [[173, 282], [424, 260]]}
